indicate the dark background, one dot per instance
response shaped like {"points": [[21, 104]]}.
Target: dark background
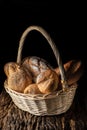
{"points": [[66, 24]]}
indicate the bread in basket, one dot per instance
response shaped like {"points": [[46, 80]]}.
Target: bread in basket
{"points": [[35, 86]]}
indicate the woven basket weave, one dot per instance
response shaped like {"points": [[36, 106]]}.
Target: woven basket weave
{"points": [[44, 104]]}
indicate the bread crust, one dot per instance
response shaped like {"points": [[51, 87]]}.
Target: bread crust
{"points": [[17, 77], [32, 89], [73, 70], [47, 81], [35, 66]]}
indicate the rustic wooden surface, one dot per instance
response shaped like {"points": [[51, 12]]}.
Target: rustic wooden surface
{"points": [[12, 118]]}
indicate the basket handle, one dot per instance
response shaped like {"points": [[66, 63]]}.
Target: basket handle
{"points": [[53, 46]]}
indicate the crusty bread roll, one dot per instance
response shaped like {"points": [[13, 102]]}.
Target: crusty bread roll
{"points": [[35, 65], [17, 77], [47, 81], [32, 89], [47, 86], [10, 68], [73, 70]]}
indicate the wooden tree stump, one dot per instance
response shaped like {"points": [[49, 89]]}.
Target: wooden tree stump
{"points": [[12, 118]]}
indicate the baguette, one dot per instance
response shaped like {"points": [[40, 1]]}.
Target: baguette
{"points": [[73, 71]]}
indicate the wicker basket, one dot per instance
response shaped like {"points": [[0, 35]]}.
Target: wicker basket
{"points": [[44, 104]]}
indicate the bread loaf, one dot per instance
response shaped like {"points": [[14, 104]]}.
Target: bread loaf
{"points": [[17, 77], [35, 65]]}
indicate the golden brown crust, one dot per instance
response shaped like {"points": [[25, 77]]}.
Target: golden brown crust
{"points": [[10, 67], [47, 81], [47, 86], [73, 71], [43, 75], [66, 67], [32, 89], [36, 76], [17, 77]]}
